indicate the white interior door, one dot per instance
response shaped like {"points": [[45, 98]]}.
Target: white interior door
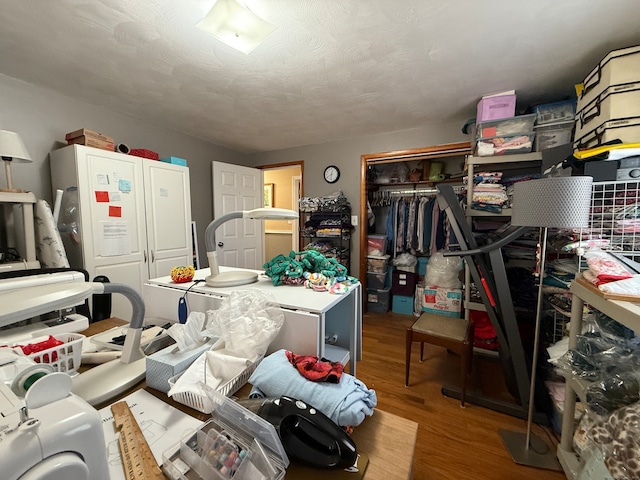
{"points": [[239, 243]]}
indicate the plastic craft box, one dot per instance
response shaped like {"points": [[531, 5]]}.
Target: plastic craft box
{"points": [[506, 126], [257, 448], [555, 112], [553, 135]]}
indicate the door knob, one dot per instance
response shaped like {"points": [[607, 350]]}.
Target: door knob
{"points": [[221, 244]]}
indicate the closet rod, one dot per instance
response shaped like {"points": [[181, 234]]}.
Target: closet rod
{"points": [[417, 191]]}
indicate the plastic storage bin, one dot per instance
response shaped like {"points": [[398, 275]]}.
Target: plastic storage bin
{"points": [[402, 304], [378, 300], [376, 280], [233, 431], [553, 135], [377, 264], [614, 103], [506, 126], [555, 112], [376, 244], [522, 143]]}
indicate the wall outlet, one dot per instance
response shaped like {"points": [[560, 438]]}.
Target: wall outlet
{"points": [[354, 220]]}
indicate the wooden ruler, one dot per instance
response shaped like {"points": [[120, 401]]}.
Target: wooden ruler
{"points": [[137, 458]]}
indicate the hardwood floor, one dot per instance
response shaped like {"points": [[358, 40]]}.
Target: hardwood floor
{"points": [[453, 442]]}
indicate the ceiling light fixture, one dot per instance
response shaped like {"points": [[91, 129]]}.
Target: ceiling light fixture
{"points": [[235, 25]]}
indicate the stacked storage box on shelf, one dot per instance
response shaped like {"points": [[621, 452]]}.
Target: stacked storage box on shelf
{"points": [[554, 124], [377, 283], [505, 136], [609, 106]]}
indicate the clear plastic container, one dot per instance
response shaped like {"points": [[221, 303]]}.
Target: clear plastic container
{"points": [[506, 126], [553, 135], [555, 112], [377, 264], [506, 145], [234, 444]]}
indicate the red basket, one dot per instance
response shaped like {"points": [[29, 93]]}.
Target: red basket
{"points": [[144, 153]]}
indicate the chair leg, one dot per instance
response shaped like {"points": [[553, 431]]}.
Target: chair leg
{"points": [[421, 352], [408, 357], [464, 369]]}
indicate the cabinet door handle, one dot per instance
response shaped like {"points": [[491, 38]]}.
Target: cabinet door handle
{"points": [[153, 257], [145, 256]]}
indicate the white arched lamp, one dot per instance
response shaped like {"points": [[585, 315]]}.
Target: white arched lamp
{"points": [[237, 277], [109, 379], [12, 149]]}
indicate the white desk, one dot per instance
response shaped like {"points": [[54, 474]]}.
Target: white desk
{"points": [[310, 316], [628, 314]]}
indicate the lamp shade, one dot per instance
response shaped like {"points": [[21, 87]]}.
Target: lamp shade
{"points": [[555, 202], [236, 25], [12, 147]]}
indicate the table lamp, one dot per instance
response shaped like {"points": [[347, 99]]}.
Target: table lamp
{"points": [[237, 277], [12, 149], [555, 202], [109, 379]]}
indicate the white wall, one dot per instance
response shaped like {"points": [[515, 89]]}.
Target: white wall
{"points": [[346, 154], [42, 117]]}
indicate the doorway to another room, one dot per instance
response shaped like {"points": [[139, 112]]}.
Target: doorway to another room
{"points": [[283, 188]]}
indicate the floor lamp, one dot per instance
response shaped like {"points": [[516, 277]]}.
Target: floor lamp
{"points": [[556, 202]]}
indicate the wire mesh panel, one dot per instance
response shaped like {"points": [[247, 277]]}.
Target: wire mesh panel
{"points": [[615, 217]]}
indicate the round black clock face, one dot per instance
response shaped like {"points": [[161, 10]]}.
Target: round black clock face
{"points": [[331, 174]]}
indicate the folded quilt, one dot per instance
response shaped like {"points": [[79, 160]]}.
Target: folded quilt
{"points": [[346, 403]]}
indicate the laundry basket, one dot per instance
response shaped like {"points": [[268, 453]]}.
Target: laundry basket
{"points": [[62, 358]]}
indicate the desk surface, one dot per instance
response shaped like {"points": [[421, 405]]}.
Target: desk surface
{"points": [[294, 297], [389, 440]]}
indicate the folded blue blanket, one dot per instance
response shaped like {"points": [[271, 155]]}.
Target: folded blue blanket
{"points": [[346, 403]]}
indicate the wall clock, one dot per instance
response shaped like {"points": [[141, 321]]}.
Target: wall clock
{"points": [[331, 174]]}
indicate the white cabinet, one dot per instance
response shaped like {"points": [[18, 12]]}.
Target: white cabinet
{"points": [[133, 216]]}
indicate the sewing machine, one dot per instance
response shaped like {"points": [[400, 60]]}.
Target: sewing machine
{"points": [[46, 432], [48, 428], [63, 323]]}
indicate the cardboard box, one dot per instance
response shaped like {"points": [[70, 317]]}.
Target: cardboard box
{"points": [[84, 132], [92, 142], [443, 301], [169, 362]]}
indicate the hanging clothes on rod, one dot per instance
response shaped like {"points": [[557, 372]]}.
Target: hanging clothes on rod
{"points": [[414, 223]]}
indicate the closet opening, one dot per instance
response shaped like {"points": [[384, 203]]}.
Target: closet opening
{"points": [[387, 176]]}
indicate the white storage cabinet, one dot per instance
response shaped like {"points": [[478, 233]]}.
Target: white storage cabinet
{"points": [[134, 216]]}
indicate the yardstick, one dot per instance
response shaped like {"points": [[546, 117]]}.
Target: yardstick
{"points": [[137, 458]]}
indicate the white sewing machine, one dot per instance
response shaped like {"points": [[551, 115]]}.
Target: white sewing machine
{"points": [[46, 432], [48, 428], [64, 323]]}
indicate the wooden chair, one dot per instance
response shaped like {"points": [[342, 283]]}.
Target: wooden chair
{"points": [[454, 334]]}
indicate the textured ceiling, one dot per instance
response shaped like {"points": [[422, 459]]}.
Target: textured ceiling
{"points": [[333, 69]]}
